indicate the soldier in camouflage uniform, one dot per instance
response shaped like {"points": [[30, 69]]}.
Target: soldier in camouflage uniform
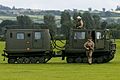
{"points": [[89, 46]]}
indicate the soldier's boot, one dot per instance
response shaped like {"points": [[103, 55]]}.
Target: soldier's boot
{"points": [[90, 60]]}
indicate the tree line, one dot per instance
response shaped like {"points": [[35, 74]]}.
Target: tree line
{"points": [[67, 22]]}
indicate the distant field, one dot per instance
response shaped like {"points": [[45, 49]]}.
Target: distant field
{"points": [[7, 18], [33, 17], [114, 17], [14, 18], [60, 70]]}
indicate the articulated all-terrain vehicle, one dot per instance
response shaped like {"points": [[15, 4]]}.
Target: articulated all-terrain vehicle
{"points": [[36, 46], [105, 46]]}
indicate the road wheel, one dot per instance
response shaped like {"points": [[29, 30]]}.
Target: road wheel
{"points": [[93, 60], [105, 59], [11, 60], [27, 60], [111, 56], [41, 59], [99, 59], [85, 60], [32, 60], [78, 60], [20, 60], [70, 60]]}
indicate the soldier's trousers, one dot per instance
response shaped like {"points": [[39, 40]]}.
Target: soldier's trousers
{"points": [[89, 55]]}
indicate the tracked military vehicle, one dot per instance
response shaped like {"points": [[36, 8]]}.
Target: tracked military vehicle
{"points": [[28, 46], [105, 46], [36, 46]]}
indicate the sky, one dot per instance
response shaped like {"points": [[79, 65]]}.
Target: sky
{"points": [[62, 4]]}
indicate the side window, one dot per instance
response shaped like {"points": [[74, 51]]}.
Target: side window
{"points": [[11, 35], [98, 35], [79, 35], [37, 35], [20, 36]]}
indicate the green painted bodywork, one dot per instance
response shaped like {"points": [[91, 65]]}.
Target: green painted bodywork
{"points": [[102, 38], [29, 43]]}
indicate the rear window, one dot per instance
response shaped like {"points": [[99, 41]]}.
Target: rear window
{"points": [[20, 36], [79, 35]]}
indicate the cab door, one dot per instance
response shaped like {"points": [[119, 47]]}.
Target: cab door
{"points": [[18, 41], [99, 41], [37, 39]]}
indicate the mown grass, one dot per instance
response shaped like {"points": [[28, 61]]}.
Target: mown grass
{"points": [[60, 70]]}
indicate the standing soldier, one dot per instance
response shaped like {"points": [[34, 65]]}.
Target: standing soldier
{"points": [[89, 46], [79, 23]]}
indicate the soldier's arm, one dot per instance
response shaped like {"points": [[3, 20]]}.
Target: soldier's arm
{"points": [[93, 45], [85, 45], [81, 23]]}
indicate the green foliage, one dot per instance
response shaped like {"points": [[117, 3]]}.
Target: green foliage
{"points": [[7, 22], [24, 21], [110, 23], [66, 23], [49, 21], [116, 29], [88, 20], [104, 25], [2, 39], [97, 21], [65, 17], [114, 26]]}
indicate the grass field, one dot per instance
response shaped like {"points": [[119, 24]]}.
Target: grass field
{"points": [[60, 70], [7, 18]]}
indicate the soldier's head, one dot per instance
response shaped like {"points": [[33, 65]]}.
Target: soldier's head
{"points": [[89, 38], [79, 18]]}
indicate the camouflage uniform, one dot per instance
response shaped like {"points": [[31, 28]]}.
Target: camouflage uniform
{"points": [[89, 46]]}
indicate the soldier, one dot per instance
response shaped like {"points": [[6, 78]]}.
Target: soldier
{"points": [[89, 46], [79, 23]]}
